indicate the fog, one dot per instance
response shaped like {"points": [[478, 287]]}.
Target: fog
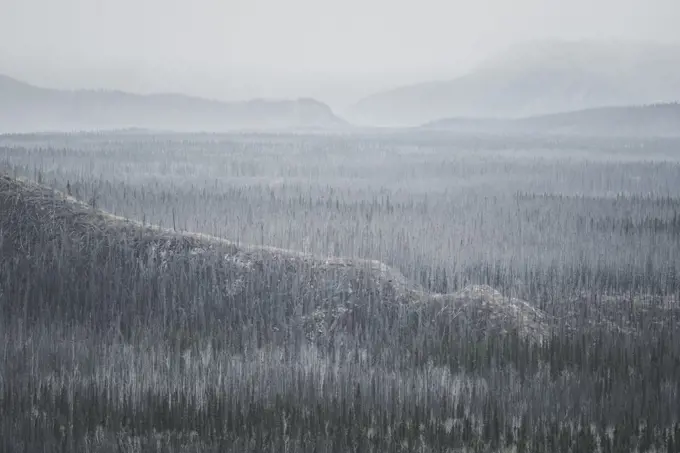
{"points": [[336, 51], [468, 240]]}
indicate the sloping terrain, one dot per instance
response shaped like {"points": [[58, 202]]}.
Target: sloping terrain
{"points": [[661, 120], [536, 78], [26, 108], [110, 271]]}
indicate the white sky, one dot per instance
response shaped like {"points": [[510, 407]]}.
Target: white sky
{"points": [[332, 49]]}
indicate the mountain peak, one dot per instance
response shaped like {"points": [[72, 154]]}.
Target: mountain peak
{"points": [[535, 78]]}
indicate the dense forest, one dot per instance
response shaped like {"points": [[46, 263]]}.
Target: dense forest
{"points": [[387, 292]]}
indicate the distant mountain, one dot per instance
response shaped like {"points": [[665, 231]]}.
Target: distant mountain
{"points": [[534, 79], [660, 120], [26, 108]]}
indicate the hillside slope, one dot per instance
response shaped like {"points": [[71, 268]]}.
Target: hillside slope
{"points": [[26, 108], [57, 251], [535, 79], [661, 120]]}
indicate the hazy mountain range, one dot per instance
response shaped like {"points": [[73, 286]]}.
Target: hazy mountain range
{"points": [[534, 79], [27, 108], [526, 89]]}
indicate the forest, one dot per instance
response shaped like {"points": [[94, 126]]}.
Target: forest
{"points": [[367, 292]]}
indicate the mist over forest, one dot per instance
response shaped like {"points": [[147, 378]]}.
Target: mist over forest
{"points": [[340, 226]]}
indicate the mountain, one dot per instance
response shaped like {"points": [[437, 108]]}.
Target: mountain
{"points": [[26, 108], [659, 120], [533, 79]]}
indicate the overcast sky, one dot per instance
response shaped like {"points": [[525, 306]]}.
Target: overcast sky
{"points": [[328, 48]]}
